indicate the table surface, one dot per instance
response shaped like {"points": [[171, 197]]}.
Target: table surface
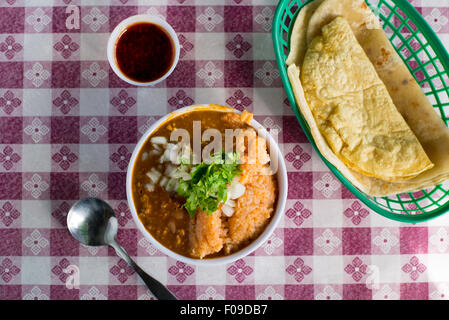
{"points": [[68, 126]]}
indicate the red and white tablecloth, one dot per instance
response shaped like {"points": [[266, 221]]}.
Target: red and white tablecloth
{"points": [[68, 126]]}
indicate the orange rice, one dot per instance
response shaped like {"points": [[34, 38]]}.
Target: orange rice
{"points": [[209, 234]]}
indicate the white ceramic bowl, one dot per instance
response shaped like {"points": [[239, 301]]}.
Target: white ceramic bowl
{"points": [[275, 154], [122, 26]]}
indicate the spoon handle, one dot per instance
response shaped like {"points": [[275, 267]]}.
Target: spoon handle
{"points": [[157, 288]]}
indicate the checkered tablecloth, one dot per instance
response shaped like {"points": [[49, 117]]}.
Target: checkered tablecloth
{"points": [[68, 126]]}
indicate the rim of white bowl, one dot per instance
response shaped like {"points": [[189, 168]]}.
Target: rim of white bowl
{"points": [[122, 26], [256, 243]]}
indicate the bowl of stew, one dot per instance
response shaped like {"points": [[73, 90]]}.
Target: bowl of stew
{"points": [[207, 184]]}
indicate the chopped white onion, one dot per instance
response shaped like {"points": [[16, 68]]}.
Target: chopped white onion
{"points": [[236, 190], [166, 155], [172, 185], [155, 152], [181, 174], [154, 175], [149, 187], [163, 182], [169, 170], [230, 203], [185, 176], [172, 146], [227, 210], [184, 154], [169, 155], [159, 140], [144, 156]]}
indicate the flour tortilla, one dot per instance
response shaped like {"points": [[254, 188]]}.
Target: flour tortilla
{"points": [[412, 103], [356, 12], [354, 110], [298, 38], [369, 185], [407, 96]]}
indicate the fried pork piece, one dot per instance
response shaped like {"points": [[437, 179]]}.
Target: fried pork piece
{"points": [[206, 234]]}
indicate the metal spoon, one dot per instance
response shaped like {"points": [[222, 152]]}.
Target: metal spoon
{"points": [[92, 222]]}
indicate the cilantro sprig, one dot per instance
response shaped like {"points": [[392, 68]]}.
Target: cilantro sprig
{"points": [[208, 185]]}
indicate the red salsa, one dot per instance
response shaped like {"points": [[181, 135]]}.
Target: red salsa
{"points": [[144, 52]]}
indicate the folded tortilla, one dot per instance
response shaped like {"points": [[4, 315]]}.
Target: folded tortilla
{"points": [[405, 92], [354, 111], [298, 38]]}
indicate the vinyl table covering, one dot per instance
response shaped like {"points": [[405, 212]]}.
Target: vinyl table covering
{"points": [[68, 126]]}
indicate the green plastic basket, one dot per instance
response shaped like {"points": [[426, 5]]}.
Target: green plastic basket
{"points": [[427, 60]]}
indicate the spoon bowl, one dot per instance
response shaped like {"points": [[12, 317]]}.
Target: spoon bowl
{"points": [[93, 222]]}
